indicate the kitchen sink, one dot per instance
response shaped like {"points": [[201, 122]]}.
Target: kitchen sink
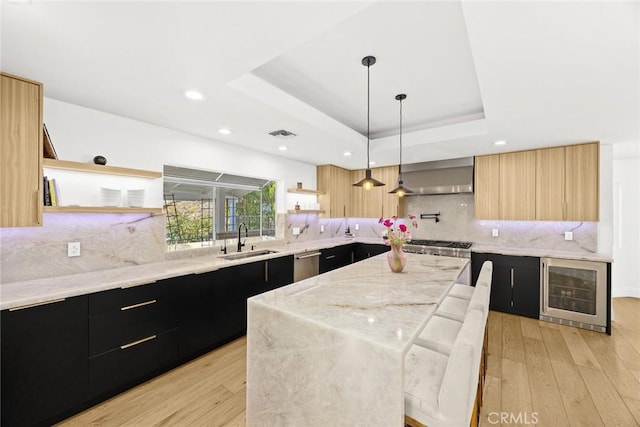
{"points": [[243, 255]]}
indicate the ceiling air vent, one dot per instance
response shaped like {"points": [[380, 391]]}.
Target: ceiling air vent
{"points": [[282, 134]]}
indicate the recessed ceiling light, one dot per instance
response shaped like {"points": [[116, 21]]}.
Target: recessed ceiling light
{"points": [[194, 94], [347, 153], [372, 162], [282, 148], [501, 142], [224, 131]]}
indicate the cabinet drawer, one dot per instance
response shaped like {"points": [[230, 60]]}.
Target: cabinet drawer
{"points": [[112, 329], [131, 363], [115, 299]]}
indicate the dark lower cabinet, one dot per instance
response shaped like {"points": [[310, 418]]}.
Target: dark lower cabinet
{"points": [[515, 284], [44, 361], [132, 336], [195, 304], [363, 251], [59, 358], [132, 363], [336, 257], [230, 298], [279, 271]]}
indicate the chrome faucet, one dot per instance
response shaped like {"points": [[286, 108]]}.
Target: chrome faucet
{"points": [[246, 234]]}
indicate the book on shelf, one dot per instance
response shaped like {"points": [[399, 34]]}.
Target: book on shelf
{"points": [[48, 152], [53, 192], [45, 191]]}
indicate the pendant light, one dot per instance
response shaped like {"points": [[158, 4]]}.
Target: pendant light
{"points": [[400, 190], [368, 182]]}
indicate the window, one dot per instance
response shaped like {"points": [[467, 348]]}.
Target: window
{"points": [[205, 208]]}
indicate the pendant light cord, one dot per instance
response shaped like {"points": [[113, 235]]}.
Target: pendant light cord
{"points": [[400, 165], [368, 110]]}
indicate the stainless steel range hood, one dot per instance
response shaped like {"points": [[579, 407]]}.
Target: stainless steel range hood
{"points": [[440, 177]]}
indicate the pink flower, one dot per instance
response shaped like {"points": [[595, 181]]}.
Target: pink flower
{"points": [[380, 220], [387, 223], [394, 217], [411, 217], [402, 228], [414, 224]]}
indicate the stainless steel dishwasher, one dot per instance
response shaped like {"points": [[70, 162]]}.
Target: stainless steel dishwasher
{"points": [[306, 264]]}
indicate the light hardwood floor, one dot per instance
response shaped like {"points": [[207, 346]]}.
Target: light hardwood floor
{"points": [[538, 374]]}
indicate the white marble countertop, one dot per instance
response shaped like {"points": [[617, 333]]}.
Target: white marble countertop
{"points": [[368, 300], [540, 252], [17, 294]]}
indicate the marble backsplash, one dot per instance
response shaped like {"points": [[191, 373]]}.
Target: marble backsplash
{"points": [[119, 240], [456, 222], [106, 241]]}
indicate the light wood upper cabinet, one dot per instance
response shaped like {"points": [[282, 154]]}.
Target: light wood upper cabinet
{"points": [[582, 178], [517, 185], [550, 183], [335, 183], [553, 184], [20, 152], [487, 186], [342, 199]]}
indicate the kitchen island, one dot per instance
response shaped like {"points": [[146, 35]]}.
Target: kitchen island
{"points": [[329, 350]]}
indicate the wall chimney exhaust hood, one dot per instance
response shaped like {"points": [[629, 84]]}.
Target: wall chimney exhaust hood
{"points": [[441, 177]]}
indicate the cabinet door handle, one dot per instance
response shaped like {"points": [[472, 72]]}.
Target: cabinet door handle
{"points": [[38, 203], [511, 277], [329, 256], [266, 271], [36, 304], [131, 344], [142, 304]]}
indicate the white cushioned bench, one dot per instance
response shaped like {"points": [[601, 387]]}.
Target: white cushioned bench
{"points": [[452, 339], [441, 390], [442, 329]]}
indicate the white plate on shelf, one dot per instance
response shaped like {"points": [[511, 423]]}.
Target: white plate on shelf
{"points": [[135, 198], [110, 197]]}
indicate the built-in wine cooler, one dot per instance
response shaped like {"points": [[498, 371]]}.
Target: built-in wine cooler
{"points": [[574, 293]]}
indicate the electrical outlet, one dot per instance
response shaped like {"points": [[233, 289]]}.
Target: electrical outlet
{"points": [[568, 235], [295, 230], [73, 249], [322, 228], [494, 232], [357, 227]]}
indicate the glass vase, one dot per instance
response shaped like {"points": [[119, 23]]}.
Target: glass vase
{"points": [[396, 258]]}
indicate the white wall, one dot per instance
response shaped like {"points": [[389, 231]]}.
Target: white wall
{"points": [[626, 221], [80, 133]]}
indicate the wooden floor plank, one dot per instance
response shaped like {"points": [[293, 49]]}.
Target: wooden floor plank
{"points": [[580, 351], [612, 409], [516, 396], [556, 346], [628, 309], [512, 348], [492, 394], [634, 407], [530, 328], [494, 344], [623, 380], [578, 404], [546, 401]]}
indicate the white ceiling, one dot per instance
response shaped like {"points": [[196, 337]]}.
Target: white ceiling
{"points": [[532, 73]]}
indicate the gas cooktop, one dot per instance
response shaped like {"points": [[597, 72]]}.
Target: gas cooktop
{"points": [[441, 243]]}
